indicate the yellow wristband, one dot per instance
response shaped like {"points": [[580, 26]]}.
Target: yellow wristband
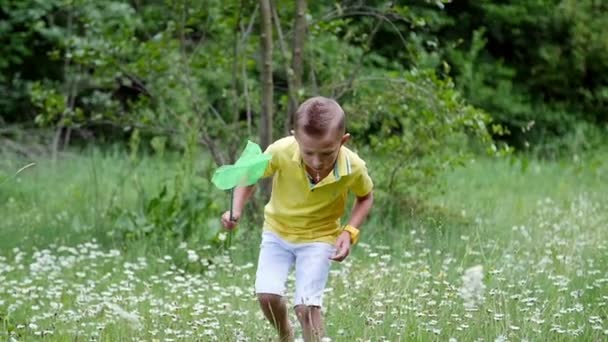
{"points": [[354, 233]]}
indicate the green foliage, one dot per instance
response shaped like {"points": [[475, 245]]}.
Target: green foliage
{"points": [[130, 67], [107, 196], [538, 67], [187, 77], [23, 44], [415, 122], [171, 216], [418, 130], [183, 210]]}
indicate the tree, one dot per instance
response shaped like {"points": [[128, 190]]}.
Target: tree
{"points": [[266, 74], [187, 92], [297, 63]]}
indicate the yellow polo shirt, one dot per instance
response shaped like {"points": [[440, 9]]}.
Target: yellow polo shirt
{"points": [[299, 211]]}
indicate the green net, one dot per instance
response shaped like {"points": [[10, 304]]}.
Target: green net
{"points": [[247, 170]]}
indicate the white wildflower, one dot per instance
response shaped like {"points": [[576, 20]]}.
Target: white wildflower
{"points": [[501, 338], [192, 256], [222, 236]]}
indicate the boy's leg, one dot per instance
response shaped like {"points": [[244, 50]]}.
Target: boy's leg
{"points": [[274, 263], [311, 320], [312, 270], [275, 310]]}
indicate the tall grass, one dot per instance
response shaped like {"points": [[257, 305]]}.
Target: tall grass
{"points": [[65, 201]]}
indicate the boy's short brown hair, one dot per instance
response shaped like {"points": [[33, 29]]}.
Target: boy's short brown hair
{"points": [[318, 115]]}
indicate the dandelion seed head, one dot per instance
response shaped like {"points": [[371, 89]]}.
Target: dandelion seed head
{"points": [[472, 289]]}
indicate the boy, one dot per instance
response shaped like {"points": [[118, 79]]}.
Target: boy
{"points": [[313, 173]]}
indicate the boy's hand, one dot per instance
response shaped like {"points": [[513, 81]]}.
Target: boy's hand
{"points": [[342, 247], [230, 224]]}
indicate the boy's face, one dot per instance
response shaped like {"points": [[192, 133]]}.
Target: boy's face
{"points": [[320, 153]]}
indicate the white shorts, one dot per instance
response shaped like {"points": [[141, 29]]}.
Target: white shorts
{"points": [[312, 268]]}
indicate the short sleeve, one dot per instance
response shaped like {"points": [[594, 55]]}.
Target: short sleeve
{"points": [[273, 164], [362, 184]]}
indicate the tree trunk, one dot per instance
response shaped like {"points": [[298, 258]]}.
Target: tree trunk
{"points": [[266, 41], [267, 84], [297, 65]]}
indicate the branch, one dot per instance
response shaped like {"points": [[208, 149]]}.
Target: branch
{"points": [[235, 64], [71, 89], [297, 64], [291, 92], [244, 38], [394, 174], [364, 11], [196, 106], [250, 26], [238, 43], [357, 68], [247, 99], [217, 114], [139, 85], [168, 131], [386, 79]]}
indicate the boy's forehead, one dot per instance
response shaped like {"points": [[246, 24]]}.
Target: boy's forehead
{"points": [[327, 142]]}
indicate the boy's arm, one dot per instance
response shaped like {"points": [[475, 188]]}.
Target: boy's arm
{"points": [[361, 209], [363, 188], [241, 195]]}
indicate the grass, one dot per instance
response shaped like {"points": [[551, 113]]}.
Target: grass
{"points": [[538, 232], [64, 201]]}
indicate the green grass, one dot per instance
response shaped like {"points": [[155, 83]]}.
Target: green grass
{"points": [[539, 232], [65, 201]]}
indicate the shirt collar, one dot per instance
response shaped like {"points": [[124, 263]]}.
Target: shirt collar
{"points": [[342, 167]]}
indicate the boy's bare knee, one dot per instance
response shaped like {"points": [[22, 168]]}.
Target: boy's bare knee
{"points": [[269, 299], [301, 311], [305, 313]]}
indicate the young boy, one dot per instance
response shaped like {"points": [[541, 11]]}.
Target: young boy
{"points": [[312, 175]]}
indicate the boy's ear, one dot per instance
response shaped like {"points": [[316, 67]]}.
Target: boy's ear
{"points": [[345, 138], [292, 132]]}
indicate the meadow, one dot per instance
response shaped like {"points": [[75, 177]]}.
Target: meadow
{"points": [[510, 249]]}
